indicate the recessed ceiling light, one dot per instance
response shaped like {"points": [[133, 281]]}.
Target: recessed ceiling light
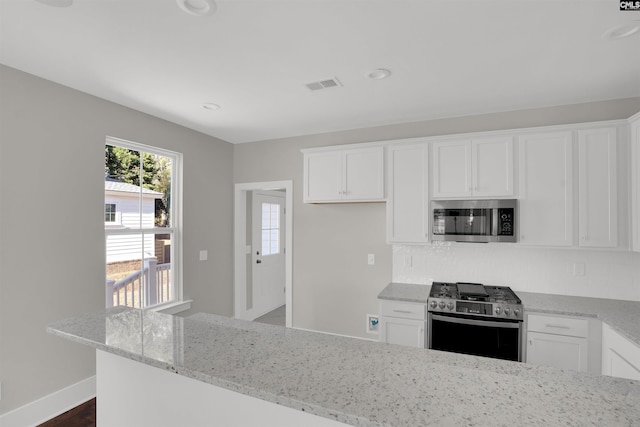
{"points": [[379, 74], [210, 106], [56, 3], [622, 31], [198, 7]]}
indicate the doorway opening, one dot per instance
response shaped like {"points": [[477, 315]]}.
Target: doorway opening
{"points": [[263, 213]]}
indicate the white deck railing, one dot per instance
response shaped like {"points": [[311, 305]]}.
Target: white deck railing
{"points": [[155, 280]]}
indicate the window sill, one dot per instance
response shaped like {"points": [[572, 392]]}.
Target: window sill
{"points": [[172, 307]]}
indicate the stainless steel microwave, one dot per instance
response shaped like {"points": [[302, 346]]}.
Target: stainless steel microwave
{"points": [[474, 220]]}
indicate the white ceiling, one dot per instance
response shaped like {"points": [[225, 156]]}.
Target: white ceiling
{"points": [[254, 58]]}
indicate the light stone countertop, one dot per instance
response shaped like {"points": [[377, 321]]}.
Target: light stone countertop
{"points": [[405, 292], [623, 316], [358, 382]]}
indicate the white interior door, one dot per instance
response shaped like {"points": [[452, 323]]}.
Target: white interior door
{"points": [[268, 251]]}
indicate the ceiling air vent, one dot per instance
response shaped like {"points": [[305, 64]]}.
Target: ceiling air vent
{"points": [[324, 84]]}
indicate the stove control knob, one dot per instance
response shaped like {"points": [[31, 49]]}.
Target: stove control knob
{"points": [[516, 312], [433, 304], [442, 305], [506, 311], [498, 310], [450, 306]]}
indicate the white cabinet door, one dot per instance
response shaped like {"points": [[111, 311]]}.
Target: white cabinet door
{"points": [[396, 330], [635, 182], [322, 176], [558, 341], [620, 357], [598, 191], [351, 175], [492, 166], [408, 203], [557, 351], [480, 167], [363, 172], [546, 189], [452, 169], [403, 323]]}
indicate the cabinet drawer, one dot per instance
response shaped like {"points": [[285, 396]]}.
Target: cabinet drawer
{"points": [[568, 326], [405, 310]]}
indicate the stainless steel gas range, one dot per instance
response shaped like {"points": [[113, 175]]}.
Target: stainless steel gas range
{"points": [[475, 319]]}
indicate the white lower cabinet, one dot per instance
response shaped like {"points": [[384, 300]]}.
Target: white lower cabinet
{"points": [[403, 323], [620, 357], [557, 351], [558, 341]]}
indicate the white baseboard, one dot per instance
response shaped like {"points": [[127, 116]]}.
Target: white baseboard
{"points": [[47, 407]]}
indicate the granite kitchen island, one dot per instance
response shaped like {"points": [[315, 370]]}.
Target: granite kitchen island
{"points": [[337, 379]]}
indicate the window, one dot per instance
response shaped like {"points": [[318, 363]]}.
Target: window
{"points": [[142, 248], [110, 212], [270, 229]]}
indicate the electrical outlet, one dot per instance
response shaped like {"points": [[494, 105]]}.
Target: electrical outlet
{"points": [[373, 322], [371, 259], [578, 269], [204, 255]]}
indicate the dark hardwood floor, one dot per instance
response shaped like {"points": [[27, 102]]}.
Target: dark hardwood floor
{"points": [[81, 416]]}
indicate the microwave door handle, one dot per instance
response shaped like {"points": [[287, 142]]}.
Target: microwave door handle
{"points": [[464, 321], [494, 221]]}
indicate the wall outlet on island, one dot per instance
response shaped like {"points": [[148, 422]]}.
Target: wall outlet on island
{"points": [[372, 323]]}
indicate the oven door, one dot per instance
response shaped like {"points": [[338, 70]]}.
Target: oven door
{"points": [[499, 339]]}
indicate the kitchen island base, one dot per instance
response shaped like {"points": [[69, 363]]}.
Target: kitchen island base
{"points": [[131, 393]]}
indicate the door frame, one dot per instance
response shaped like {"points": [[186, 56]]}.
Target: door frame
{"points": [[240, 246]]}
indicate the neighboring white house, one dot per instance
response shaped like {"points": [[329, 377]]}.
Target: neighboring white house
{"points": [[122, 210]]}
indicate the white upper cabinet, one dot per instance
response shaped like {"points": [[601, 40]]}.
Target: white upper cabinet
{"points": [[492, 167], [598, 191], [452, 169], [407, 187], [635, 181], [322, 175], [344, 175], [546, 189], [479, 167]]}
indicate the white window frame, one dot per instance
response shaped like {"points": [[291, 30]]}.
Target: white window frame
{"points": [[115, 214], [178, 304]]}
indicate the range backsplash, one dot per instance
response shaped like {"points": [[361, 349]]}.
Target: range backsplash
{"points": [[589, 273]]}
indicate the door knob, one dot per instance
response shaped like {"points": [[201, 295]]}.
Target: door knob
{"points": [[258, 261]]}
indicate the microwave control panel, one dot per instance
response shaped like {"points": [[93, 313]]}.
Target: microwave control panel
{"points": [[506, 224]]}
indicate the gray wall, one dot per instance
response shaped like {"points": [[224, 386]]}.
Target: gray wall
{"points": [[51, 223], [333, 287]]}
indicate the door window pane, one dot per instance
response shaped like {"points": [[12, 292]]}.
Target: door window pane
{"points": [[270, 229]]}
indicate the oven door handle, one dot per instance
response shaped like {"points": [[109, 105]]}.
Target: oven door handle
{"points": [[512, 325]]}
